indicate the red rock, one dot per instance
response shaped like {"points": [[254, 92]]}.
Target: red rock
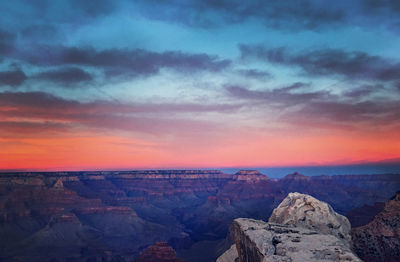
{"points": [[160, 252]]}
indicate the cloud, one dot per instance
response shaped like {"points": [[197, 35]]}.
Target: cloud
{"points": [[12, 78], [26, 128], [42, 107], [210, 13], [327, 62], [6, 43], [83, 9], [321, 108], [363, 91], [65, 76], [281, 97], [115, 62], [254, 73], [378, 113]]}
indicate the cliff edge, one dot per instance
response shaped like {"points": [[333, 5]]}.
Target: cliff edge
{"points": [[301, 228], [379, 240]]}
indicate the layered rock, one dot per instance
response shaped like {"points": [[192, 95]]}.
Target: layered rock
{"points": [[305, 211], [116, 213], [160, 252], [379, 240], [250, 175]]}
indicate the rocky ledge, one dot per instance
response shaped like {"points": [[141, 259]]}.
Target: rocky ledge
{"points": [[301, 228]]}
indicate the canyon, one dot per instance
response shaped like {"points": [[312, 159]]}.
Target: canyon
{"points": [[118, 215]]}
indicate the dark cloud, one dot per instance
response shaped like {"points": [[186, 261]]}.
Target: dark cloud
{"points": [[373, 6], [65, 76], [277, 97], [50, 109], [138, 62], [12, 78], [323, 108], [254, 73], [210, 13], [363, 91], [94, 8], [6, 43], [27, 128], [41, 33], [354, 65], [71, 11], [373, 113]]}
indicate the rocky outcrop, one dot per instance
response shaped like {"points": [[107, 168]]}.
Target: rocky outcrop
{"points": [[258, 241], [301, 228], [160, 252], [250, 175], [379, 240], [305, 211]]}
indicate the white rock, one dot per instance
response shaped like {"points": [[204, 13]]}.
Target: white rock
{"points": [[305, 211]]}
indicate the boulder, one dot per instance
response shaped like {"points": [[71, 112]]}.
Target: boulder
{"points": [[305, 211]]}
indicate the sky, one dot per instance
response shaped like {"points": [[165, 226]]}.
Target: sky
{"points": [[193, 84]]}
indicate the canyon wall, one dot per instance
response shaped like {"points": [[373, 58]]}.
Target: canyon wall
{"points": [[116, 215]]}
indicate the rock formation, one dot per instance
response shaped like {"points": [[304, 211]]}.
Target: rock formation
{"points": [[379, 240], [305, 211], [160, 252], [301, 228], [258, 241], [80, 216]]}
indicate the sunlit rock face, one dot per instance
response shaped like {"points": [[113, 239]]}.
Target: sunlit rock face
{"points": [[159, 252], [305, 211], [379, 240], [250, 175]]}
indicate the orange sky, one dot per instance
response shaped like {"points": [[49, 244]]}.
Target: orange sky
{"points": [[93, 152]]}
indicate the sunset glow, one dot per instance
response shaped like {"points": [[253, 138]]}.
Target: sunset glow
{"points": [[122, 85]]}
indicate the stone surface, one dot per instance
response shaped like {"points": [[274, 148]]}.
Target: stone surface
{"points": [[379, 240], [231, 255], [258, 241], [305, 211]]}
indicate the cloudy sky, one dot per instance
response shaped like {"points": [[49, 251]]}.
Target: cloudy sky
{"points": [[171, 84]]}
